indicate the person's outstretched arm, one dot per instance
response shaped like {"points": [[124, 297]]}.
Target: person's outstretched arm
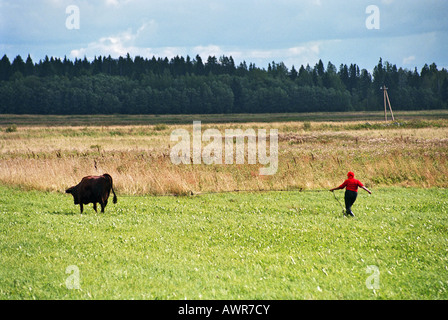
{"points": [[370, 192], [342, 186]]}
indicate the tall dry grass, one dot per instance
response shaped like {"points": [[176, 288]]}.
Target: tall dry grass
{"points": [[313, 156]]}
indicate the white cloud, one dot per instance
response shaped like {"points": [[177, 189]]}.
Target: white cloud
{"points": [[305, 54], [116, 3], [125, 42], [408, 60], [119, 44], [210, 50]]}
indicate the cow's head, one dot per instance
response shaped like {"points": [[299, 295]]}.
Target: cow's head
{"points": [[74, 192]]}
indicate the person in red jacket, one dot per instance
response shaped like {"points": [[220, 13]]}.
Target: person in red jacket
{"points": [[351, 191]]}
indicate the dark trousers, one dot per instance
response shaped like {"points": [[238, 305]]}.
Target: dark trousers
{"points": [[350, 198]]}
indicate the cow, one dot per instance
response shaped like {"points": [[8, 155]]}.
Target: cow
{"points": [[93, 189]]}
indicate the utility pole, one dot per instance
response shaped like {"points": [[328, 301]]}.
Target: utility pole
{"points": [[387, 101]]}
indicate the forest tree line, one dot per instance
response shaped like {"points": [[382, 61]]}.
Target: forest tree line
{"points": [[192, 86]]}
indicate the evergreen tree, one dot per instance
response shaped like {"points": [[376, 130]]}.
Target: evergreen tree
{"points": [[5, 68], [181, 85], [198, 65], [18, 65], [29, 66]]}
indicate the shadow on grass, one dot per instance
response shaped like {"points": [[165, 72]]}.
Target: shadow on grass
{"points": [[65, 212], [75, 212]]}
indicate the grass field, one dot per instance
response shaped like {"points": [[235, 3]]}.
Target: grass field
{"points": [[273, 245], [112, 120], [217, 243]]}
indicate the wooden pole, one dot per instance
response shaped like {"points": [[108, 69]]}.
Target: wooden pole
{"points": [[387, 102], [390, 107]]}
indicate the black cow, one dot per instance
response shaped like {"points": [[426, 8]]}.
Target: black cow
{"points": [[93, 189]]}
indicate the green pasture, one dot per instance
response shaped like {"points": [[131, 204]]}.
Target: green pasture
{"points": [[273, 245], [8, 120]]}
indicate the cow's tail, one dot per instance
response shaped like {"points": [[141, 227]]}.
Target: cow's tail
{"points": [[111, 186], [115, 196]]}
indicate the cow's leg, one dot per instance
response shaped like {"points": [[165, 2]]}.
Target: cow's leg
{"points": [[103, 205], [81, 207], [94, 207]]}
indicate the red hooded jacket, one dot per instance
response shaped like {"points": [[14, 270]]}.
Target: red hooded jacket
{"points": [[351, 183]]}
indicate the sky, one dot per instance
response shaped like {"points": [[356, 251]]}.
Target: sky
{"points": [[408, 33]]}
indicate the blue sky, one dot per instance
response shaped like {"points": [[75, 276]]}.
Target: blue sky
{"points": [[411, 33]]}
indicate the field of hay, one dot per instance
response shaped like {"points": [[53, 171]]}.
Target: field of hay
{"points": [[311, 155]]}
